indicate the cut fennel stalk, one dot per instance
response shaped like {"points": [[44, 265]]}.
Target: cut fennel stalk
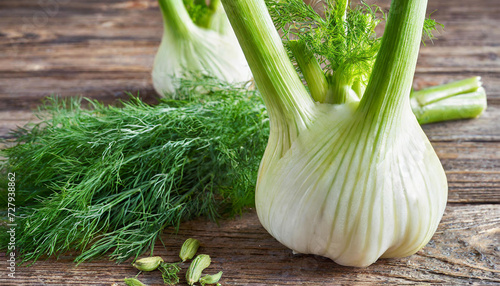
{"points": [[456, 100], [353, 181], [207, 47]]}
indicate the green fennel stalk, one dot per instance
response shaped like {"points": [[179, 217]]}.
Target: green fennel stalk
{"points": [[456, 100]]}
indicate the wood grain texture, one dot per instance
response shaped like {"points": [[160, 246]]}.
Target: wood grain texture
{"points": [[91, 48], [104, 49]]}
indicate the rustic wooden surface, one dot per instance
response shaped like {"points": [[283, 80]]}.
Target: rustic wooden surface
{"points": [[103, 49]]}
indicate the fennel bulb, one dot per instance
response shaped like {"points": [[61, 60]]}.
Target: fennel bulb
{"points": [[207, 46], [352, 181]]}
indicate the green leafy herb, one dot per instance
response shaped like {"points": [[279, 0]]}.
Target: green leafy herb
{"points": [[343, 39], [108, 180], [430, 27], [170, 273]]}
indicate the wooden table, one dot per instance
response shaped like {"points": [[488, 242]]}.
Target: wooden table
{"points": [[102, 49]]}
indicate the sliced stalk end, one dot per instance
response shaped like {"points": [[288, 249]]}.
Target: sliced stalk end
{"points": [[436, 93], [461, 106], [285, 96], [390, 83]]}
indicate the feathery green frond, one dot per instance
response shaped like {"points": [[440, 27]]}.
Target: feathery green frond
{"points": [[342, 38], [108, 180]]}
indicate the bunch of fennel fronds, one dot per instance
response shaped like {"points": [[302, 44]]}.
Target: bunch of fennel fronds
{"points": [[107, 180]]}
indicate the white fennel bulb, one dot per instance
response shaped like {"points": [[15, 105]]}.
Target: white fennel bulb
{"points": [[207, 47], [351, 190], [353, 181]]}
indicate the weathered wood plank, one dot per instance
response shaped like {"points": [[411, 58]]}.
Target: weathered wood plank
{"points": [[16, 94], [464, 250], [472, 169], [480, 61], [472, 24], [90, 48]]}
